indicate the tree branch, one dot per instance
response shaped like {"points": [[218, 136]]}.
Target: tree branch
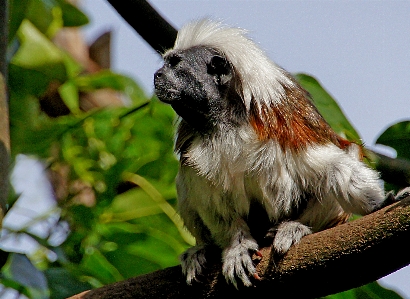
{"points": [[334, 260], [4, 118], [149, 24], [4, 115]]}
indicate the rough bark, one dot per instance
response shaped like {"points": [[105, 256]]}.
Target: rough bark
{"points": [[337, 259]]}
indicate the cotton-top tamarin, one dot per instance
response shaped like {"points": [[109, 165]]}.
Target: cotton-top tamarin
{"points": [[253, 147]]}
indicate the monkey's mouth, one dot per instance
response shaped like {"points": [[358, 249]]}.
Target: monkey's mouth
{"points": [[167, 95]]}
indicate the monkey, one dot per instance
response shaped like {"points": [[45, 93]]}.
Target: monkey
{"points": [[250, 139]]}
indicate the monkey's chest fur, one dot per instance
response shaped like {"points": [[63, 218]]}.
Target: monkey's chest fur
{"points": [[235, 175]]}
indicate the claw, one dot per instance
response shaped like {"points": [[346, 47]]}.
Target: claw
{"points": [[402, 194], [238, 263], [256, 276], [192, 262]]}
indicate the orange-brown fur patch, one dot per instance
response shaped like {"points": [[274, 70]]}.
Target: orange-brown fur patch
{"points": [[293, 121]]}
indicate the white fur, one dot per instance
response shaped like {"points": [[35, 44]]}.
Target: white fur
{"points": [[246, 168]]}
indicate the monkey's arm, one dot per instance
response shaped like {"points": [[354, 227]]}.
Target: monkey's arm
{"points": [[213, 221]]}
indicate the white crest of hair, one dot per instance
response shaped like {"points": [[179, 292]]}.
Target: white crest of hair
{"points": [[261, 79]]}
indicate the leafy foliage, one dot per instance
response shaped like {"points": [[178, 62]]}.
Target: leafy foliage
{"points": [[118, 197], [113, 168], [397, 136], [370, 291]]}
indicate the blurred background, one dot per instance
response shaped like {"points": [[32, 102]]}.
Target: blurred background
{"points": [[91, 199]]}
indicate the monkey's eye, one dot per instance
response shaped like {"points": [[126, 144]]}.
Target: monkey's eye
{"points": [[218, 66], [173, 61]]}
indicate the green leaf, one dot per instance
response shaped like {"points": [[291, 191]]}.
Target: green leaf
{"points": [[40, 13], [31, 133], [73, 68], [375, 291], [370, 291], [47, 15], [146, 246], [72, 16], [328, 107], [25, 81], [38, 53], [69, 94], [64, 284], [18, 10], [24, 122], [397, 136], [350, 294], [134, 203], [107, 79], [95, 263], [163, 204]]}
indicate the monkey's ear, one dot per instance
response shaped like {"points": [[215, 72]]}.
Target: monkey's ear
{"points": [[220, 68]]}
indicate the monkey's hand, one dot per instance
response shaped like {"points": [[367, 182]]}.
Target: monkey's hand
{"points": [[286, 234], [403, 194], [192, 262], [391, 198], [237, 261]]}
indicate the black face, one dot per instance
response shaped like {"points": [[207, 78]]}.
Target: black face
{"points": [[197, 83]]}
